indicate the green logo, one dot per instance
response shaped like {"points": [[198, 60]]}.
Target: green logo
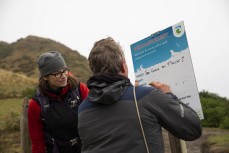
{"points": [[178, 31]]}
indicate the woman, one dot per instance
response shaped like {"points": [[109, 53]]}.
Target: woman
{"points": [[53, 111]]}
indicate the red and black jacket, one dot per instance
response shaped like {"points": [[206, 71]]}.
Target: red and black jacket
{"points": [[61, 119]]}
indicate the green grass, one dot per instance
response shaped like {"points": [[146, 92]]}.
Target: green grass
{"points": [[9, 140], [7, 106], [219, 139], [217, 143]]}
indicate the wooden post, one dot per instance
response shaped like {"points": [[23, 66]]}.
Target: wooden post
{"points": [[175, 145], [25, 139], [183, 146]]}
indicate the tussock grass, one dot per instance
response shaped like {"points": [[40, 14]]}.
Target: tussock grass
{"points": [[7, 106], [10, 112], [13, 84]]}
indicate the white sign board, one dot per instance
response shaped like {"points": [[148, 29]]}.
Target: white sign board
{"points": [[165, 57]]}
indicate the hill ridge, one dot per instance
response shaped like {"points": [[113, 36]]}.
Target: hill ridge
{"points": [[21, 56]]}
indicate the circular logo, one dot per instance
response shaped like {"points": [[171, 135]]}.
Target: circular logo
{"points": [[178, 29]]}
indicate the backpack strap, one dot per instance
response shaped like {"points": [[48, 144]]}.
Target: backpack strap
{"points": [[44, 103], [76, 94]]}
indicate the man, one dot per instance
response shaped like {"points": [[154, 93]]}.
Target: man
{"points": [[108, 120]]}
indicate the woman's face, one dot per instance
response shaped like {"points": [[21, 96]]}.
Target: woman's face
{"points": [[57, 79]]}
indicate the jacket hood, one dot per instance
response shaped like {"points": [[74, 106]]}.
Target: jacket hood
{"points": [[107, 89]]}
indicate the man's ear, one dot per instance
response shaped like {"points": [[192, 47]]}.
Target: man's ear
{"points": [[124, 69]]}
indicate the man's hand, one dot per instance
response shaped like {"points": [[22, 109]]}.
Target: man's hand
{"points": [[161, 86], [136, 83]]}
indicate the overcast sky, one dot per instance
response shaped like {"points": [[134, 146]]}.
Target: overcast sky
{"points": [[79, 23]]}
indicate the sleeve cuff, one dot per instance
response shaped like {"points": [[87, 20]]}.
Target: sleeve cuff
{"points": [[173, 96]]}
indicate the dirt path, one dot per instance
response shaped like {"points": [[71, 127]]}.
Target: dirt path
{"points": [[194, 146]]}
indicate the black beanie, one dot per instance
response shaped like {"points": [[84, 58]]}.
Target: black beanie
{"points": [[50, 62]]}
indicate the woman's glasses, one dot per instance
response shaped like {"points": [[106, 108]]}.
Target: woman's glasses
{"points": [[60, 74]]}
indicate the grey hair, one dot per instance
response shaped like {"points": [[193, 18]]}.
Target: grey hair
{"points": [[106, 57]]}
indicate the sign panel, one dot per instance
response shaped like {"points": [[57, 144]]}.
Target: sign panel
{"points": [[165, 57]]}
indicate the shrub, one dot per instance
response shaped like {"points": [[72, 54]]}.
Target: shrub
{"points": [[28, 92], [12, 123], [224, 124], [215, 109]]}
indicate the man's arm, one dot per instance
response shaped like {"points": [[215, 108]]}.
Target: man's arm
{"points": [[178, 118]]}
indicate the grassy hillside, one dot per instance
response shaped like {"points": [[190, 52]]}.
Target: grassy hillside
{"points": [[21, 56], [14, 84]]}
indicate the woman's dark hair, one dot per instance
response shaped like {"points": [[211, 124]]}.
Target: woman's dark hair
{"points": [[43, 84]]}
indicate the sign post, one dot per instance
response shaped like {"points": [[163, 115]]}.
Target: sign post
{"points": [[26, 145]]}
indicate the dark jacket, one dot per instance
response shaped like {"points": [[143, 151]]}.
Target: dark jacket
{"points": [[60, 119], [108, 121]]}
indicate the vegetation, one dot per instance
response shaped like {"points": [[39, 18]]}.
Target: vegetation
{"points": [[10, 142], [219, 139], [217, 143], [9, 108], [5, 49], [15, 85], [215, 109]]}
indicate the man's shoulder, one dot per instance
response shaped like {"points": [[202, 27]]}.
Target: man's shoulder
{"points": [[85, 105], [144, 90], [141, 91]]}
